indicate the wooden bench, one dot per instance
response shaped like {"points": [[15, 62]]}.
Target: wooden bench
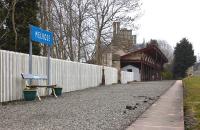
{"points": [[37, 77]]}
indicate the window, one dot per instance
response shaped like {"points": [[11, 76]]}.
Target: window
{"points": [[129, 70]]}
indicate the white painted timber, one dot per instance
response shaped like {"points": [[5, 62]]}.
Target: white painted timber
{"points": [[69, 75], [126, 77], [111, 75], [136, 72]]}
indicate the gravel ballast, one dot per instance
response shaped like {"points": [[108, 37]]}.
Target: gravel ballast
{"points": [[112, 107]]}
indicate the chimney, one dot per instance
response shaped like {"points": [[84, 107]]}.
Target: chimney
{"points": [[118, 27], [134, 39], [114, 29]]}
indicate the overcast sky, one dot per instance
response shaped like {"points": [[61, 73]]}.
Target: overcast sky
{"points": [[170, 20]]}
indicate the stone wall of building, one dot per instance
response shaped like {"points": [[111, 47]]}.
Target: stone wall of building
{"points": [[107, 59], [122, 42]]}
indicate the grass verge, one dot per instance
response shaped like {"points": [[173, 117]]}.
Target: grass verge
{"points": [[192, 103]]}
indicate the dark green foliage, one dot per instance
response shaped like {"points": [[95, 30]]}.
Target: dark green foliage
{"points": [[25, 13], [167, 75], [183, 58]]}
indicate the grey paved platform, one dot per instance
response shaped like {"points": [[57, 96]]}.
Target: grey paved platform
{"points": [[165, 114]]}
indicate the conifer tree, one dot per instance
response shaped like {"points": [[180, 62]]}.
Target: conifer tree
{"points": [[25, 13], [183, 58]]}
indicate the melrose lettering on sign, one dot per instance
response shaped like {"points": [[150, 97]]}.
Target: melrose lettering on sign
{"points": [[41, 36]]}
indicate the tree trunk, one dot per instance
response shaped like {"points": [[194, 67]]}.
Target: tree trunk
{"points": [[98, 50], [13, 23], [44, 23], [79, 33], [70, 32]]}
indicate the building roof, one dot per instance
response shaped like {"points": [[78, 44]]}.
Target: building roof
{"points": [[150, 49]]}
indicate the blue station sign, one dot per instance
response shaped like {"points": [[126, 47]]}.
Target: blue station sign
{"points": [[40, 35]]}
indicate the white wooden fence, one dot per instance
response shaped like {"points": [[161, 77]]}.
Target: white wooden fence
{"points": [[111, 75], [135, 74], [126, 77], [69, 75]]}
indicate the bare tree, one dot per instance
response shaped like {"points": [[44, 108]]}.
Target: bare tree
{"points": [[106, 11], [68, 26], [166, 49], [81, 26], [82, 8]]}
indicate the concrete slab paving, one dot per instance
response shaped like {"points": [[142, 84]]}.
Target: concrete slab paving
{"points": [[165, 114]]}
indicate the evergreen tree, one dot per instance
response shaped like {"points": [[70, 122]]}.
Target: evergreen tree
{"points": [[183, 58], [25, 13]]}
